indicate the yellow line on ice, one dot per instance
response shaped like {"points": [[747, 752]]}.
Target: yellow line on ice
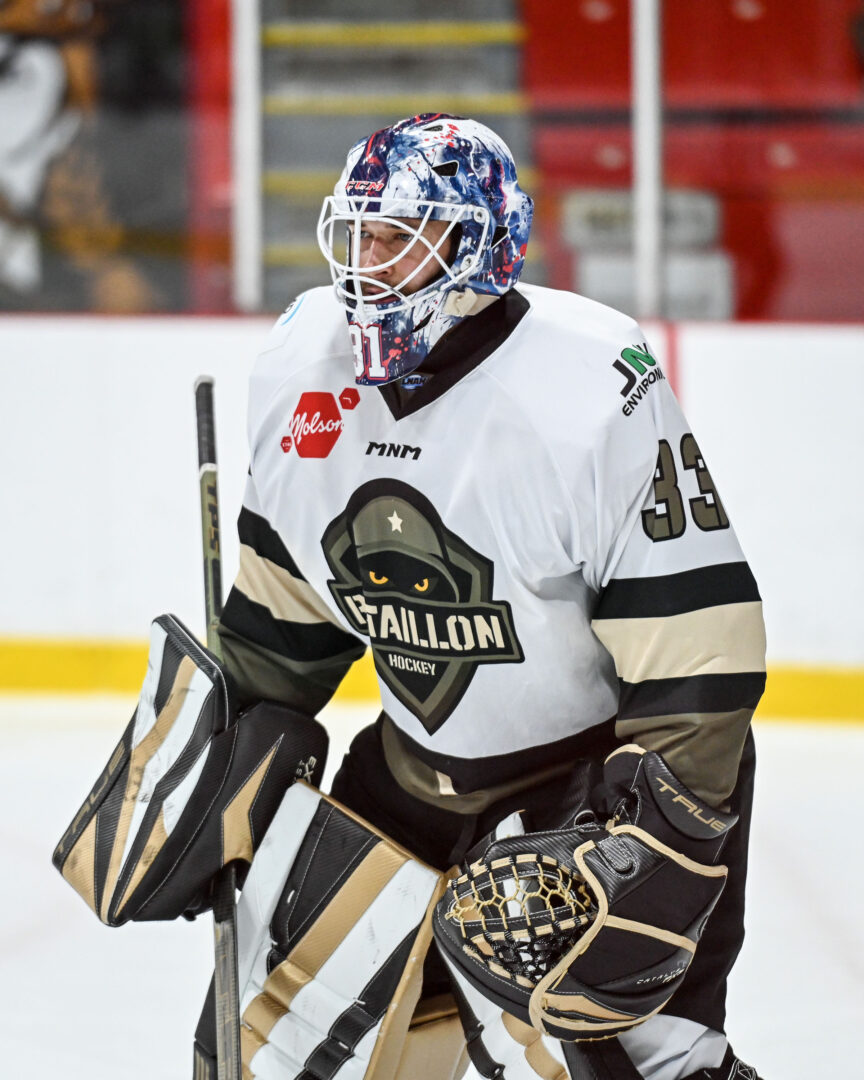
{"points": [[69, 666], [796, 693], [65, 666]]}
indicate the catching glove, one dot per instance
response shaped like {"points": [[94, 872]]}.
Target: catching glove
{"points": [[587, 930]]}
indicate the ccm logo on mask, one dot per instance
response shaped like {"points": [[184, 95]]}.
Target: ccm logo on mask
{"points": [[317, 422]]}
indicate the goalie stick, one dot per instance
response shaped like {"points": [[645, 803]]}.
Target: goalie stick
{"points": [[224, 887]]}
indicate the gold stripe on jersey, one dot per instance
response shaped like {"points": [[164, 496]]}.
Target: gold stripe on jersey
{"points": [[285, 596], [432, 786], [725, 639]]}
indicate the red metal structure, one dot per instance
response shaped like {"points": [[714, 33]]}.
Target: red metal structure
{"points": [[765, 111], [208, 27]]}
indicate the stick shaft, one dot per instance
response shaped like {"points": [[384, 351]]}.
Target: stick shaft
{"points": [[224, 911], [209, 491]]}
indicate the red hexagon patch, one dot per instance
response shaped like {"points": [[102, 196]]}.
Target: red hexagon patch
{"points": [[315, 425], [349, 398]]}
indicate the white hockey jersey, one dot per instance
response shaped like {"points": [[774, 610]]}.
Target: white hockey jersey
{"points": [[525, 533]]}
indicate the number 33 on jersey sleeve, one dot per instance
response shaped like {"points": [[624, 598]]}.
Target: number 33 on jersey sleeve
{"points": [[680, 611]]}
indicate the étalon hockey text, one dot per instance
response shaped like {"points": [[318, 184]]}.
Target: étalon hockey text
{"points": [[409, 663], [447, 631]]}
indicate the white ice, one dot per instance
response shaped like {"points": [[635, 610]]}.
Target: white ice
{"points": [[79, 1000]]}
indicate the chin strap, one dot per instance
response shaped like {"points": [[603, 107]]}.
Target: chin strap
{"points": [[465, 302]]}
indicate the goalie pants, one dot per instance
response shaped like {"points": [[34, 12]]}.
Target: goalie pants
{"points": [[441, 838]]}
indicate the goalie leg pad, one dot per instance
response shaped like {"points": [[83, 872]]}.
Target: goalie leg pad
{"points": [[435, 1045], [499, 1044], [183, 793], [333, 924]]}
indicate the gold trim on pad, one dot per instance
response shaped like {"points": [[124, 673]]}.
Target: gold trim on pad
{"points": [[80, 866], [315, 947]]}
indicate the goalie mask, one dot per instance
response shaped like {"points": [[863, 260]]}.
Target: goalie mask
{"points": [[442, 194]]}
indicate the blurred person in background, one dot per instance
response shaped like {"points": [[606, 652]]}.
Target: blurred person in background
{"points": [[64, 243]]}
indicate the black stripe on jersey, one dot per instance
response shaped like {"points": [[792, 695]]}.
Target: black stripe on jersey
{"points": [[296, 641], [258, 534], [675, 594], [694, 694], [479, 773]]}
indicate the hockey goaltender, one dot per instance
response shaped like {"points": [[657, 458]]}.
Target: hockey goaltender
{"points": [[533, 863]]}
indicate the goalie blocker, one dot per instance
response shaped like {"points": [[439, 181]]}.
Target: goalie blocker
{"points": [[587, 930], [185, 792]]}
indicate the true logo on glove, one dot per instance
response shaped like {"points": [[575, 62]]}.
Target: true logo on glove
{"points": [[691, 807]]}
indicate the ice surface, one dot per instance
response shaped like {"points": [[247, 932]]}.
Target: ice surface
{"points": [[78, 999]]}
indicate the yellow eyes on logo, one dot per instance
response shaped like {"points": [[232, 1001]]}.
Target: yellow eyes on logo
{"points": [[382, 579]]}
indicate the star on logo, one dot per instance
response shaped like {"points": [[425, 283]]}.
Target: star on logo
{"points": [[395, 522]]}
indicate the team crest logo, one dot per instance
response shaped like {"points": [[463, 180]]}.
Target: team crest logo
{"points": [[420, 594]]}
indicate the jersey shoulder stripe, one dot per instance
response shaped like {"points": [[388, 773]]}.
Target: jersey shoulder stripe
{"points": [[695, 694], [675, 594], [257, 533], [294, 640]]}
